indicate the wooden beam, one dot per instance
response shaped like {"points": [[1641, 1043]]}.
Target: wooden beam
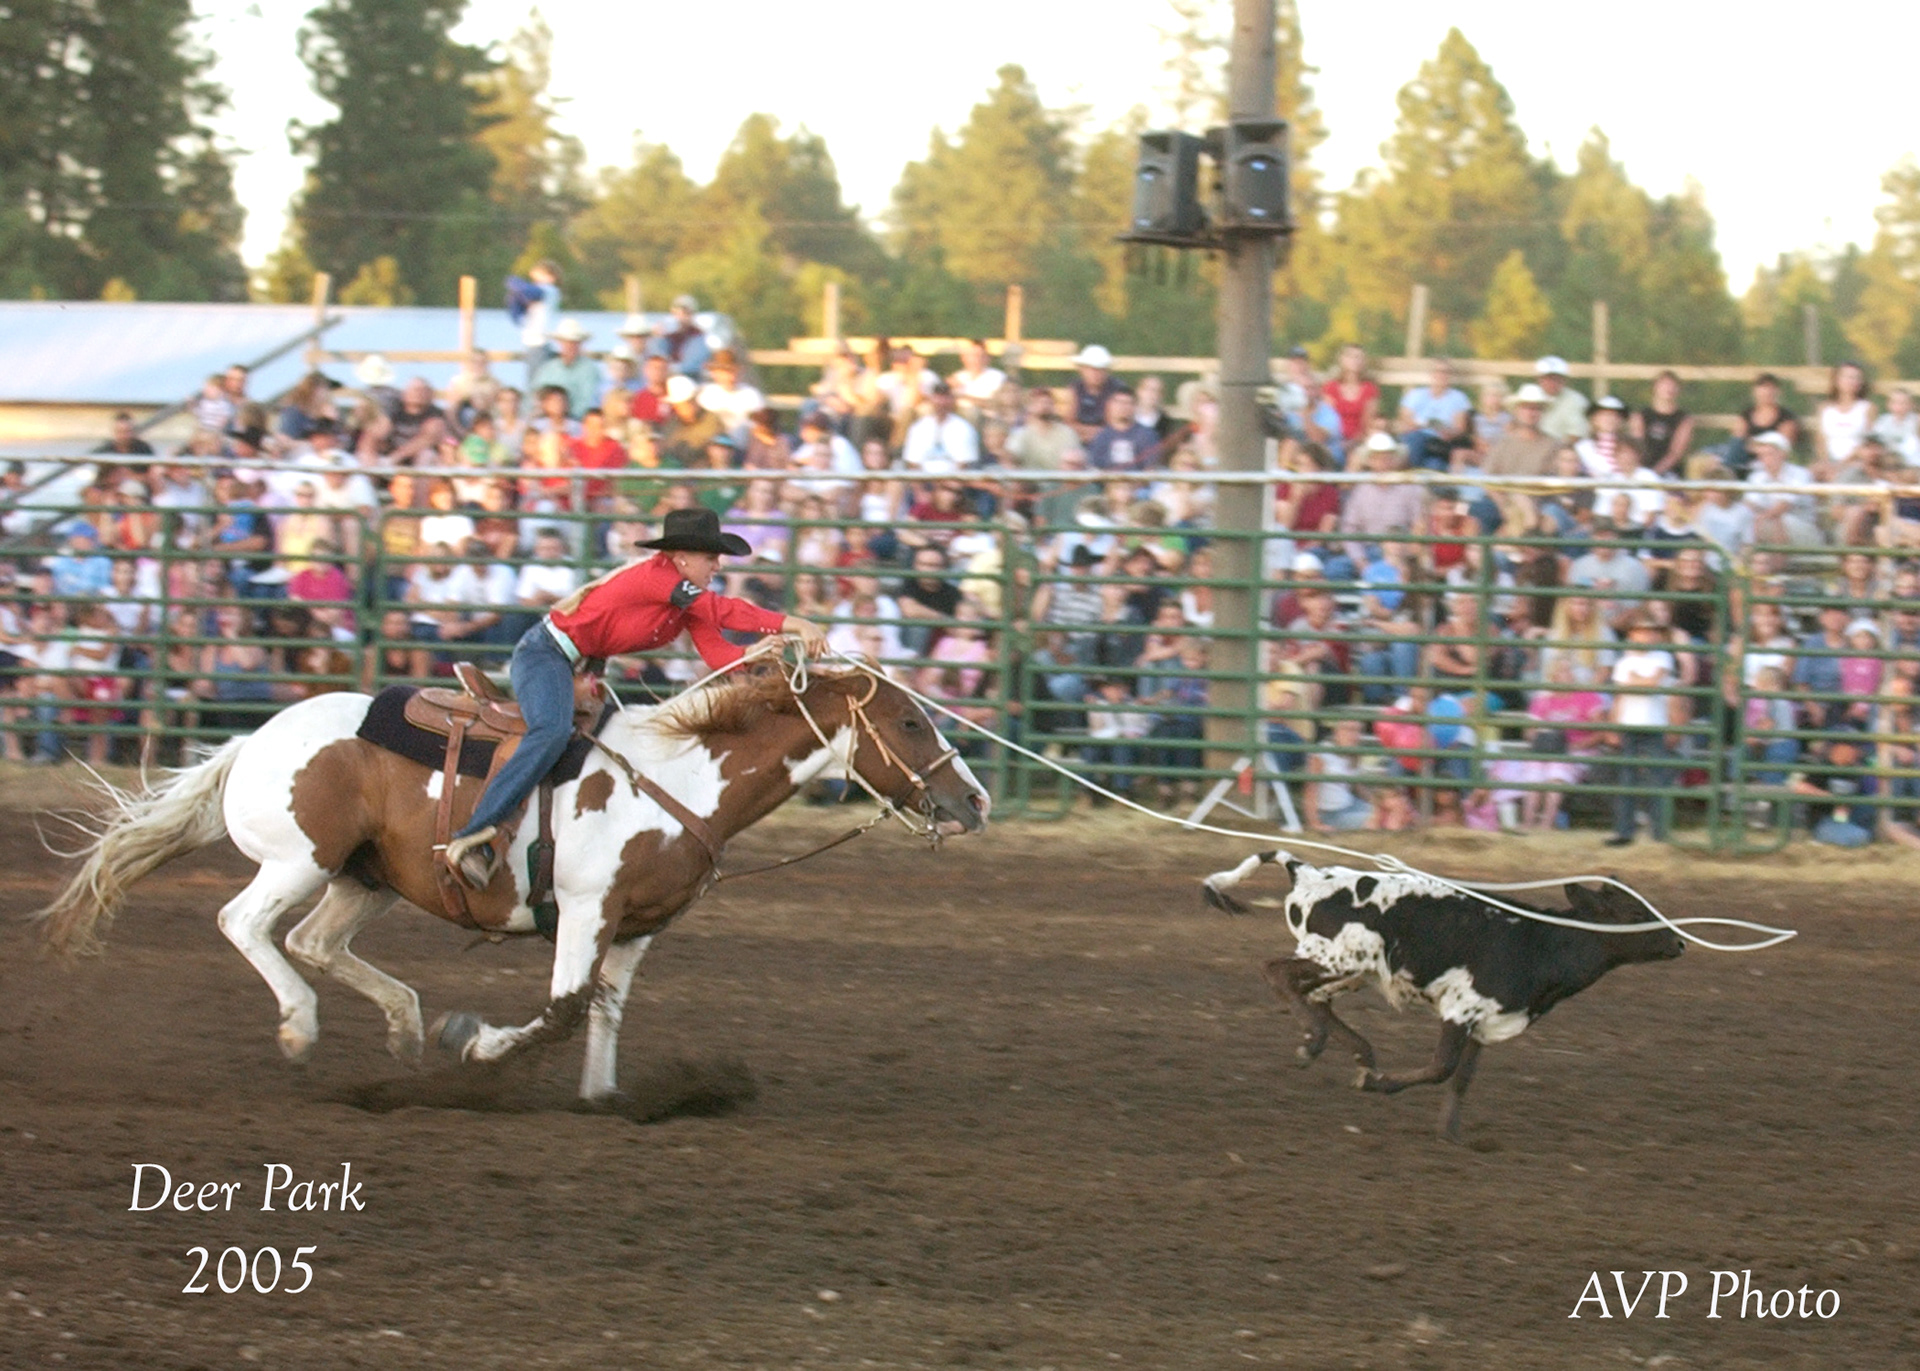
{"points": [[469, 302], [1810, 332], [1016, 311], [631, 282], [1417, 322], [322, 289], [1602, 347], [830, 311]]}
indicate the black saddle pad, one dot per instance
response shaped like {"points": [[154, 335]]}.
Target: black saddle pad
{"points": [[386, 726]]}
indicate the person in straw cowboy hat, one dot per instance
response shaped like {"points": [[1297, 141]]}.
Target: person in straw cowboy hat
{"points": [[641, 606], [571, 369]]}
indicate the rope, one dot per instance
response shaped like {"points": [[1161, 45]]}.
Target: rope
{"points": [[1385, 861]]}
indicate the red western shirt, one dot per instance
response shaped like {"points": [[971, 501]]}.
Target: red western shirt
{"points": [[648, 604]]}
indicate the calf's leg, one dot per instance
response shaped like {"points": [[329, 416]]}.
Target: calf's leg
{"points": [[1294, 979], [1453, 1042], [1450, 1099]]}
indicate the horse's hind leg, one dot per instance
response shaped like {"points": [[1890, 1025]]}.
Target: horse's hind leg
{"points": [[248, 921], [324, 941], [600, 1075]]}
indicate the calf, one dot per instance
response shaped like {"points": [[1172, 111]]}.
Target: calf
{"points": [[1487, 972]]}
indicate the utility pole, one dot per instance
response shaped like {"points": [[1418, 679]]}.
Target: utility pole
{"points": [[1245, 351]]}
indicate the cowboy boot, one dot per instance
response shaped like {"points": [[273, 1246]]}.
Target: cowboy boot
{"points": [[472, 859]]}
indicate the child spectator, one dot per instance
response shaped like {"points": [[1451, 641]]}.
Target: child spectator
{"points": [[1860, 677], [1115, 728], [1644, 667], [1334, 803]]}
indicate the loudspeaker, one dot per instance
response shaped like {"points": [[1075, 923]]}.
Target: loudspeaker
{"points": [[1166, 188], [1254, 177]]}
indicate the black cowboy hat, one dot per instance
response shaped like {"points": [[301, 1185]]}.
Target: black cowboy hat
{"points": [[697, 530]]}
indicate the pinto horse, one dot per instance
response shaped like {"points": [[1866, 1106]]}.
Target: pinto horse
{"points": [[319, 808]]}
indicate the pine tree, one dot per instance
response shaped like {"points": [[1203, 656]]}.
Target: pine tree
{"points": [[1516, 315], [995, 196], [641, 218], [108, 168], [1884, 330], [791, 183], [1457, 193], [404, 152], [536, 168]]}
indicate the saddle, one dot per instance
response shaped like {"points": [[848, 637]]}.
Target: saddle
{"points": [[478, 713]]}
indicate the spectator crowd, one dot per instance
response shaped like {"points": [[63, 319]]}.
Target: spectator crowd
{"points": [[1507, 641]]}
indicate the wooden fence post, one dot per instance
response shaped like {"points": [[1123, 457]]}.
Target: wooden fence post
{"points": [[1016, 304], [632, 284], [830, 311], [1602, 348], [322, 288], [1417, 323], [1810, 332], [469, 302]]}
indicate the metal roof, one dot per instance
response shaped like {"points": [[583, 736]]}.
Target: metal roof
{"points": [[155, 353]]}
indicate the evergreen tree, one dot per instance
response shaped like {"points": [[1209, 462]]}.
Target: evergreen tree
{"points": [[996, 196], [1516, 315], [1884, 329], [404, 154], [537, 170], [641, 219], [792, 185], [108, 169], [1457, 193]]}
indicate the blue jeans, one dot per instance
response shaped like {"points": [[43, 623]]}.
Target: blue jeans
{"points": [[1643, 763], [543, 684], [1396, 658], [1842, 833]]}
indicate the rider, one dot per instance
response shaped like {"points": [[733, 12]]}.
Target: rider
{"points": [[642, 605]]}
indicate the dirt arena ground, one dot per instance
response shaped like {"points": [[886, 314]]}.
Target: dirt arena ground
{"points": [[1021, 1103]]}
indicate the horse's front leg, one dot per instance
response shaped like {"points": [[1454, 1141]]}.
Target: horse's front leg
{"points": [[599, 1076], [581, 942]]}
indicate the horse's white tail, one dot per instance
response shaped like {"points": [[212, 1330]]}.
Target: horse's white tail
{"points": [[181, 815]]}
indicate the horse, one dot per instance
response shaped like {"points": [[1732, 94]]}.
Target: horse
{"points": [[319, 808]]}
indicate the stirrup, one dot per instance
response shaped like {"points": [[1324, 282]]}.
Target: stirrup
{"points": [[472, 860]]}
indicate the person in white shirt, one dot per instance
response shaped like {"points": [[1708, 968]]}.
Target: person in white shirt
{"points": [[547, 579], [1780, 518], [941, 441], [1645, 665], [1644, 493], [1599, 450], [1899, 427], [727, 396], [444, 525], [977, 381], [823, 450], [1565, 416]]}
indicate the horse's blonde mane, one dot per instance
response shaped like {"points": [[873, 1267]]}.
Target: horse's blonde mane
{"points": [[740, 702]]}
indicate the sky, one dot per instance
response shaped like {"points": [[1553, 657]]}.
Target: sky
{"points": [[1788, 126]]}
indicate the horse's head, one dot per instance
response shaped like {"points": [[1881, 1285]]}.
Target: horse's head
{"points": [[897, 750]]}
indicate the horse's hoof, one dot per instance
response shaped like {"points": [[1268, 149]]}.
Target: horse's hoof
{"points": [[1304, 1055], [1366, 1078], [455, 1032], [296, 1044], [406, 1044]]}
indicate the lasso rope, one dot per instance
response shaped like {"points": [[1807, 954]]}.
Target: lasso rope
{"points": [[797, 678], [1381, 860]]}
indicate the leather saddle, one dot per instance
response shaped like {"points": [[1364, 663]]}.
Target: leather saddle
{"points": [[477, 712]]}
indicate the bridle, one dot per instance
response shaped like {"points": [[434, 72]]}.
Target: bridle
{"points": [[919, 800], [915, 811]]}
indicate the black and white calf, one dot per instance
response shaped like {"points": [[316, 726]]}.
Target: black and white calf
{"points": [[1487, 972]]}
